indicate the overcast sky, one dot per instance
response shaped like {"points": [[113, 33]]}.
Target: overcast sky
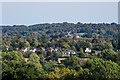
{"points": [[27, 13]]}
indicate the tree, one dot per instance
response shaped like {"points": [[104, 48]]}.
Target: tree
{"points": [[13, 70], [114, 43], [18, 36], [118, 59], [42, 60], [24, 44], [84, 45], [72, 62], [49, 55], [14, 55], [109, 54], [34, 43], [88, 35], [49, 66], [81, 53], [34, 58], [44, 38], [65, 45], [63, 74], [100, 69]]}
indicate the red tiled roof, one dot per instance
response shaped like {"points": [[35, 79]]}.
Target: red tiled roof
{"points": [[23, 48], [32, 48], [7, 46]]}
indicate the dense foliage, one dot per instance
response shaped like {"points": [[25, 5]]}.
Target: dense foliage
{"points": [[56, 30], [51, 42]]}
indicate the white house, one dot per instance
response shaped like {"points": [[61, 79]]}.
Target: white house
{"points": [[76, 36], [17, 49], [67, 53], [88, 50], [72, 52], [24, 49], [32, 49], [7, 47], [56, 49]]}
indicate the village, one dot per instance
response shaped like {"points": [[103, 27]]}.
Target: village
{"points": [[65, 54], [62, 52]]}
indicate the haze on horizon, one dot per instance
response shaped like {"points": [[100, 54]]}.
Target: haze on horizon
{"points": [[29, 13]]}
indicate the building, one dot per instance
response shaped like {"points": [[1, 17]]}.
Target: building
{"points": [[26, 59], [72, 52], [17, 49], [88, 50], [42, 48], [7, 47], [57, 48], [68, 53], [32, 49], [76, 36], [50, 49], [24, 49]]}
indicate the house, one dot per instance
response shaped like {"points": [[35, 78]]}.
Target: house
{"points": [[24, 49], [17, 49], [26, 59], [88, 50], [50, 49], [68, 53], [76, 36], [7, 47], [118, 50], [56, 49], [42, 48], [72, 52], [32, 49]]}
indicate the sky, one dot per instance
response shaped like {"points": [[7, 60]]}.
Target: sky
{"points": [[59, 0], [28, 13]]}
